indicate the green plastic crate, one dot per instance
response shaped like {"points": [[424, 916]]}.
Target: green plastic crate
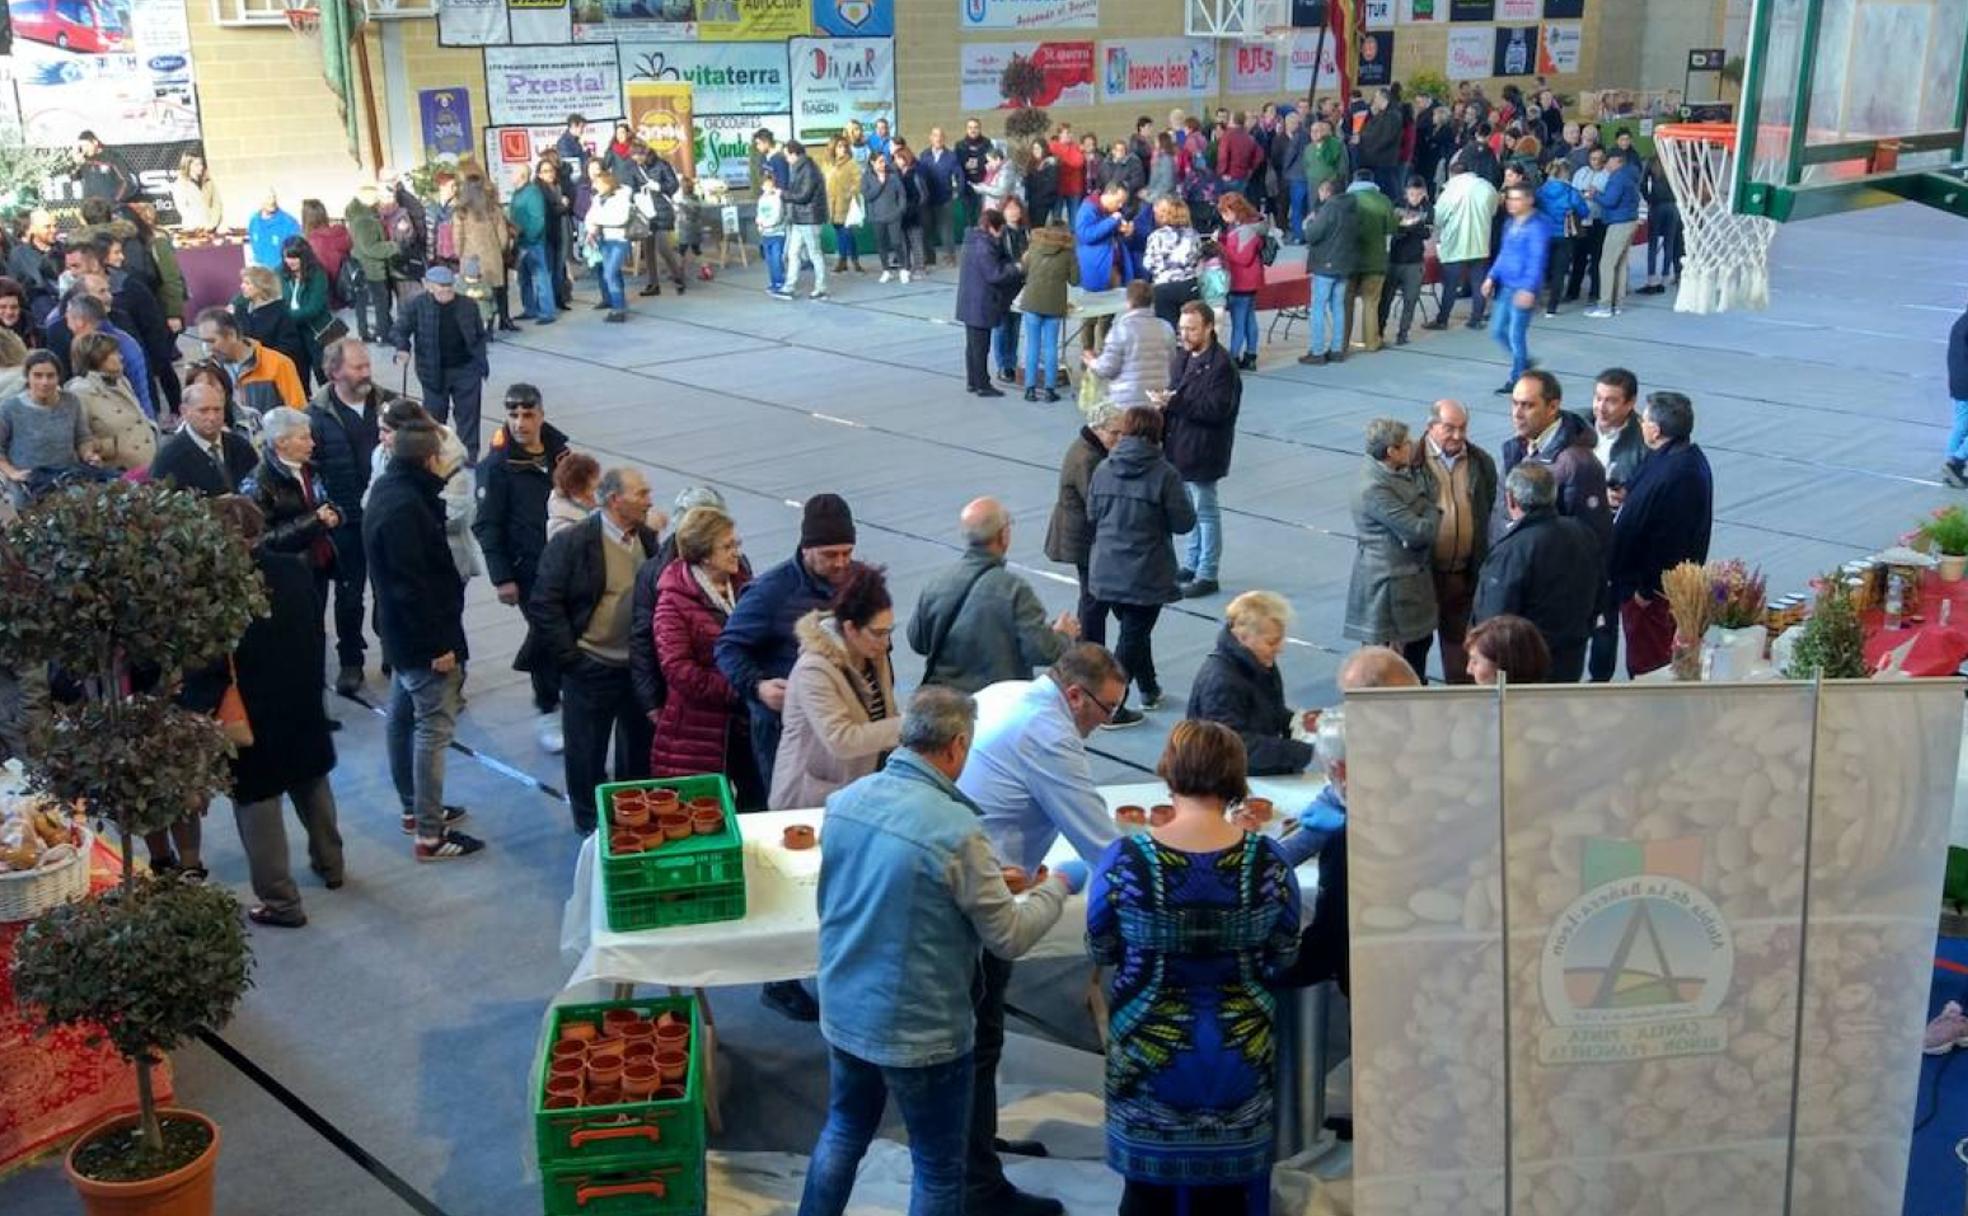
{"points": [[651, 1188], [632, 910], [679, 865], [629, 1133]]}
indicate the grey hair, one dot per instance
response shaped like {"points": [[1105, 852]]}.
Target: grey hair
{"points": [[1104, 415], [337, 354], [1384, 435], [613, 482], [86, 305], [1088, 665], [279, 424], [987, 525], [1672, 413], [937, 717], [1531, 486], [697, 496]]}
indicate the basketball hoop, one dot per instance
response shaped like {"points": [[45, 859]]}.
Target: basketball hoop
{"points": [[304, 18], [1727, 262]]}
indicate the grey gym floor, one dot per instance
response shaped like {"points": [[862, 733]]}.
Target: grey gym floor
{"points": [[406, 1012]]}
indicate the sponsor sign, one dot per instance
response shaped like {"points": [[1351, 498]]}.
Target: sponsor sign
{"points": [[1255, 67], [1299, 68], [855, 18], [1067, 66], [660, 113], [1470, 54], [634, 20], [835, 79], [446, 120], [1558, 49], [1028, 14], [1146, 68], [1517, 10], [1376, 58], [1516, 50], [129, 76], [753, 20], [545, 22], [725, 77], [527, 85], [724, 144], [1377, 14], [472, 23]]}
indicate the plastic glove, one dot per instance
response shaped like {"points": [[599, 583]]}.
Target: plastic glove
{"points": [[1073, 873]]}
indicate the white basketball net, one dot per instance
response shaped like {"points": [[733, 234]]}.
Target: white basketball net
{"points": [[1726, 265]]}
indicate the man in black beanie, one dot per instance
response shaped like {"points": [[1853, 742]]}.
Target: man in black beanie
{"points": [[757, 650]]}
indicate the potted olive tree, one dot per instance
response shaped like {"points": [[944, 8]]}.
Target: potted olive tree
{"points": [[123, 588], [1021, 83]]}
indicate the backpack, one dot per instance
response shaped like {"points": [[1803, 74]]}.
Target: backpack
{"points": [[408, 260], [1267, 249]]}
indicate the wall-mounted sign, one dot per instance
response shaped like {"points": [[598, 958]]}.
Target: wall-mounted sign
{"points": [[835, 79], [725, 77], [1028, 14], [525, 85], [1066, 66]]}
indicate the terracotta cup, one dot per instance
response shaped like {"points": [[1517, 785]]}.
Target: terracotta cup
{"points": [[800, 836], [1131, 816], [660, 800], [615, 1020], [707, 823], [704, 804], [579, 1032], [639, 1080], [604, 1069], [626, 840], [568, 1066], [603, 1095], [564, 1087], [630, 814], [1160, 813], [640, 1029], [672, 1033], [675, 824], [570, 1049], [669, 1093], [1259, 809], [675, 1064], [639, 1049], [562, 1102]]}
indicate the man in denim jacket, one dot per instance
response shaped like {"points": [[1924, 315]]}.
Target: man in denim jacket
{"points": [[909, 889]]}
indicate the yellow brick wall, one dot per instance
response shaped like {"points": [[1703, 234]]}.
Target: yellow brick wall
{"points": [[431, 66]]}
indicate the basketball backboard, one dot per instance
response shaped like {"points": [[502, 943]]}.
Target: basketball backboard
{"points": [[1853, 103]]}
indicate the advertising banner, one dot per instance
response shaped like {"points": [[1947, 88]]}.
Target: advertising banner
{"points": [[446, 120], [1298, 69], [660, 113], [1413, 11], [545, 22], [472, 23], [1139, 69], [835, 79], [1516, 50], [509, 148], [525, 85], [1028, 14], [1517, 10], [1255, 67], [1308, 14], [1564, 8], [1472, 10], [634, 20], [1067, 66], [1470, 54], [855, 18], [725, 77], [1377, 14], [126, 74], [1376, 58], [724, 144], [1558, 49], [753, 20]]}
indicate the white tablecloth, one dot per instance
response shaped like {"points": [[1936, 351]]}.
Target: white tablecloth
{"points": [[779, 937]]}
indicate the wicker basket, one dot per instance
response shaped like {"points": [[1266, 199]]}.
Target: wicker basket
{"points": [[29, 893]]}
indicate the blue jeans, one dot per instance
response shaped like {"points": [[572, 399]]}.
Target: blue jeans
{"points": [[1327, 313], [1243, 323], [773, 250], [845, 249], [935, 1104], [1041, 349], [536, 279], [1206, 538], [1296, 217], [1511, 327], [1957, 448], [613, 254], [423, 716], [1004, 343], [1455, 277]]}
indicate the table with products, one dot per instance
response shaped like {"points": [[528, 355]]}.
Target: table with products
{"points": [[211, 267]]}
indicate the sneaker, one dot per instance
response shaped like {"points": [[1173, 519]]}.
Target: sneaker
{"points": [[887, 276], [1048, 395], [1183, 574], [1032, 394], [779, 293], [547, 731], [348, 681], [990, 391], [1953, 477], [1122, 719], [1434, 324], [452, 815], [1008, 1200], [1400, 339], [1550, 312], [1505, 389], [1947, 1031], [1008, 375], [816, 294], [617, 317], [1312, 360], [1599, 314], [448, 847], [1197, 588], [905, 276], [1151, 700], [790, 1000]]}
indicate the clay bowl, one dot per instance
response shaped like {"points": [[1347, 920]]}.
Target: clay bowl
{"points": [[675, 824], [570, 1049], [638, 1049], [1259, 810], [673, 1064], [630, 811], [707, 823], [672, 1034], [703, 804], [614, 1021], [1160, 814], [639, 1080], [623, 841], [564, 1087], [1131, 816], [660, 800], [567, 1066], [604, 1070], [800, 836]]}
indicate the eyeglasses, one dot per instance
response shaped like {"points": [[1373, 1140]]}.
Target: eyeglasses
{"points": [[1107, 711], [884, 633]]}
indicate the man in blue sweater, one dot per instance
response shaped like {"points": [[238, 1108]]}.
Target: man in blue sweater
{"points": [[942, 178], [1619, 204], [1515, 277]]}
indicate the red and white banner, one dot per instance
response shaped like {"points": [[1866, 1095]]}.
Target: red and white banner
{"points": [[1298, 69], [1067, 67], [1256, 67]]}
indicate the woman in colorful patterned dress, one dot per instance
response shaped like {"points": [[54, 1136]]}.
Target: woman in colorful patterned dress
{"points": [[1197, 917]]}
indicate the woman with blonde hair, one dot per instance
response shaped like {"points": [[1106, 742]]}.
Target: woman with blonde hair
{"points": [[196, 196], [484, 234], [843, 177], [702, 726], [264, 316], [124, 437], [1239, 685], [841, 715], [1199, 919], [608, 228], [1172, 257]]}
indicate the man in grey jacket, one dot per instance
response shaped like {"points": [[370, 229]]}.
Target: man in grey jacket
{"points": [[806, 211], [978, 623]]}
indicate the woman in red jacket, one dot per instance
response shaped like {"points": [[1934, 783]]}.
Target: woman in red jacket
{"points": [[702, 727], [330, 243], [1243, 256]]}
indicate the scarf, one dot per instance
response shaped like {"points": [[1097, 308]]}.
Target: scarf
{"points": [[723, 599]]}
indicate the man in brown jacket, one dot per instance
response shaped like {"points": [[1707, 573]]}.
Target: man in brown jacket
{"points": [[1465, 480]]}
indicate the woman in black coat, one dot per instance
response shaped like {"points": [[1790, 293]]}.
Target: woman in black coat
{"points": [[1240, 686], [264, 317], [292, 752], [1069, 536], [987, 280], [1137, 506]]}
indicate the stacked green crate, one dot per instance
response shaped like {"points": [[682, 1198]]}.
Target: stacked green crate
{"points": [[633, 1158], [694, 881]]}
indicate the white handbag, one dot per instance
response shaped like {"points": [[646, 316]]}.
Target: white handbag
{"points": [[857, 212]]}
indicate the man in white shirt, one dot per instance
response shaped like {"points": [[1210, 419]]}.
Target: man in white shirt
{"points": [[1029, 774]]}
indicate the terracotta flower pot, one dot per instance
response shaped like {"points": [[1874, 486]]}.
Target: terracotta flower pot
{"points": [[568, 1066], [674, 1065], [629, 799], [614, 1021], [623, 841], [561, 1102], [659, 801], [639, 1080], [185, 1191], [1160, 814], [570, 1049], [604, 1069], [638, 1049], [672, 1033], [630, 814], [675, 825], [565, 1087], [707, 823], [704, 804], [1131, 816], [800, 836]]}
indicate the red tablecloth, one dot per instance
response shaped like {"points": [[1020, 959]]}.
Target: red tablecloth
{"points": [[55, 1086], [1938, 650], [211, 274]]}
